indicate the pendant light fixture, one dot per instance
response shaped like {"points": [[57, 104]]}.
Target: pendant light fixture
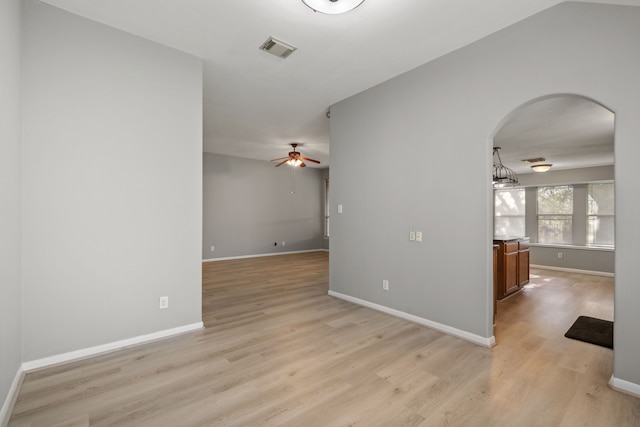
{"points": [[332, 7], [502, 175]]}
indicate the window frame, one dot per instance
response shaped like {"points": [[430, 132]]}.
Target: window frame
{"points": [[327, 208], [568, 218], [496, 215], [591, 216]]}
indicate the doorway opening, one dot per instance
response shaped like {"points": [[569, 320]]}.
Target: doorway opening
{"points": [[561, 220]]}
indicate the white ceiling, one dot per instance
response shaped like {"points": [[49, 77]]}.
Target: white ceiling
{"points": [[255, 104], [567, 131]]}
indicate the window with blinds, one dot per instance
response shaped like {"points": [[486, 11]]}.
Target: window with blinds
{"points": [[555, 214], [326, 208], [600, 214], [509, 212]]}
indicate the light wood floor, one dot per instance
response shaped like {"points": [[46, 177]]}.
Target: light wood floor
{"points": [[277, 351]]}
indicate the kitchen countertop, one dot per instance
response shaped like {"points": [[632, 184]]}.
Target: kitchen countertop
{"points": [[509, 238]]}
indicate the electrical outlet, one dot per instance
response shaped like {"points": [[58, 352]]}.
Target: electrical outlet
{"points": [[418, 236], [284, 243], [560, 255], [213, 248], [164, 303], [412, 236], [385, 285]]}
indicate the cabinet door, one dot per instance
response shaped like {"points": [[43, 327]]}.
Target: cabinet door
{"points": [[523, 267], [510, 272], [495, 284]]}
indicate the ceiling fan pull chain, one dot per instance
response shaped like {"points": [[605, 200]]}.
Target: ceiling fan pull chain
{"points": [[293, 180]]}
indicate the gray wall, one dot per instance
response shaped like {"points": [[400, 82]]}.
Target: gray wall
{"points": [[112, 184], [10, 300], [590, 259], [568, 176], [248, 206], [426, 138], [597, 260]]}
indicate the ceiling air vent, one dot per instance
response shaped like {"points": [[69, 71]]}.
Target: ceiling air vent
{"points": [[536, 160], [277, 48]]}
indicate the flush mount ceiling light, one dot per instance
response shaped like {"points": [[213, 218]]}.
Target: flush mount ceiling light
{"points": [[332, 7], [502, 175], [543, 167]]}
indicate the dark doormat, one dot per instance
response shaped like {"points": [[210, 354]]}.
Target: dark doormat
{"points": [[592, 330]]}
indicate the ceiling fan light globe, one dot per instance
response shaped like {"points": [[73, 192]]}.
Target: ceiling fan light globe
{"points": [[541, 167]]}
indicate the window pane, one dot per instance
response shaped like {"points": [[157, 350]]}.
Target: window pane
{"points": [[509, 212], [555, 200], [600, 200], [600, 230], [509, 202], [600, 208], [554, 229], [327, 208], [509, 226], [555, 214]]}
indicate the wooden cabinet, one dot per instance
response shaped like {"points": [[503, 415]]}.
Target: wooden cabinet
{"points": [[512, 266], [523, 262], [495, 282], [510, 284]]}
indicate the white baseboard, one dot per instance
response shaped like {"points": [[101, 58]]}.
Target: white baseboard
{"points": [[10, 400], [624, 386], [573, 270], [262, 255], [467, 336], [106, 348]]}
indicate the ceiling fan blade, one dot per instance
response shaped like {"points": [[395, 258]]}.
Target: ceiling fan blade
{"points": [[309, 160], [295, 157]]}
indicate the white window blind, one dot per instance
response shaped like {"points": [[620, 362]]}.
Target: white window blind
{"points": [[509, 212], [555, 214], [600, 214], [326, 208]]}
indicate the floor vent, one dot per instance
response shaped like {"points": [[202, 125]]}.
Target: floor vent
{"points": [[277, 47]]}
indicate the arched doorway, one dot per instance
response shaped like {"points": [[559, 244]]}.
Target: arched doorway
{"points": [[566, 212]]}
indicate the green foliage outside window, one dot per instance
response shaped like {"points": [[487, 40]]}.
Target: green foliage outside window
{"points": [[555, 214]]}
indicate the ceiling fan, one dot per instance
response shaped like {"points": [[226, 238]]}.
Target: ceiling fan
{"points": [[294, 158]]}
